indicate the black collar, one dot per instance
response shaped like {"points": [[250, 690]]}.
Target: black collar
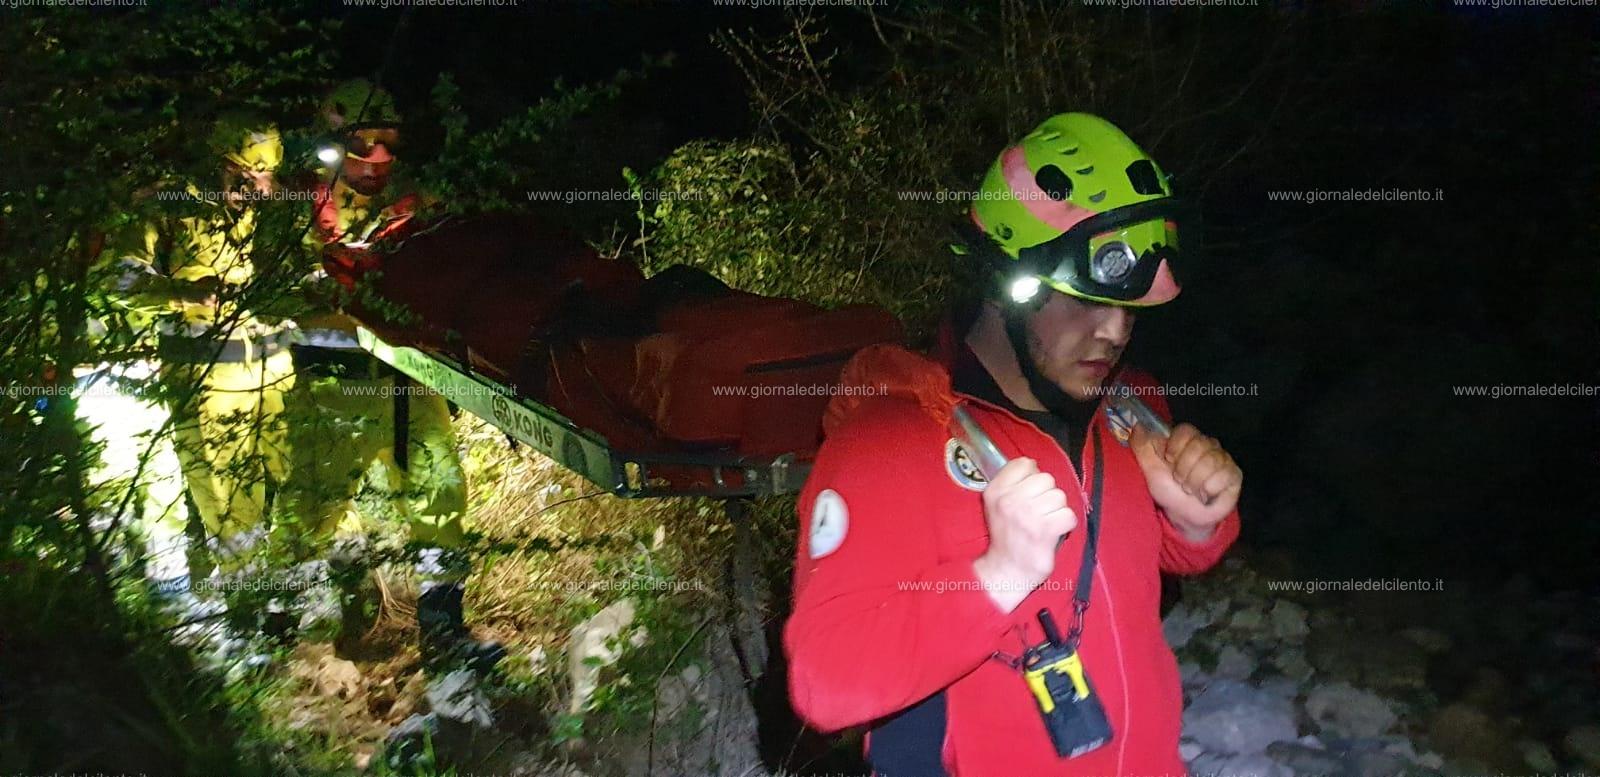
{"points": [[1069, 428]]}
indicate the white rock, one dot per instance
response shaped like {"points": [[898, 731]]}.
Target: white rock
{"points": [[1234, 664], [1293, 664], [589, 650], [456, 696], [1306, 760], [337, 677], [1181, 624], [1235, 718], [1428, 639], [1249, 619], [1243, 765], [1401, 747], [676, 693], [1288, 621], [1346, 711], [1281, 686], [1213, 610]]}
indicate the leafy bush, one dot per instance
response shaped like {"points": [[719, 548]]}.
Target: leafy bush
{"points": [[873, 136]]}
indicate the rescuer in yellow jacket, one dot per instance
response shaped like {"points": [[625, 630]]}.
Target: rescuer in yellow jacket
{"points": [[226, 369], [358, 421]]}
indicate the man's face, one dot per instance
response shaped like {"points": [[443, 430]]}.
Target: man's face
{"points": [[366, 169], [243, 184], [1076, 343], [365, 177]]}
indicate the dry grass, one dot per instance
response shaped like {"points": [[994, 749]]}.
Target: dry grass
{"points": [[533, 595], [557, 542]]}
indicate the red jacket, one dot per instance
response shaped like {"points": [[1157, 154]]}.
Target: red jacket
{"points": [[325, 214], [895, 612], [346, 257]]}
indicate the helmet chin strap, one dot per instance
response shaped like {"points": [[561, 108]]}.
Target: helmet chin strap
{"points": [[1050, 395]]}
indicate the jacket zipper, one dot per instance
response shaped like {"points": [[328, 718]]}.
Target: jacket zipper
{"points": [[1105, 583]]}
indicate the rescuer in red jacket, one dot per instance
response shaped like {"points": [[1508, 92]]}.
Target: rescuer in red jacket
{"points": [[940, 606]]}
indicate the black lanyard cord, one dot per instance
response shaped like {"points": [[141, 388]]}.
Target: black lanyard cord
{"points": [[1080, 596]]}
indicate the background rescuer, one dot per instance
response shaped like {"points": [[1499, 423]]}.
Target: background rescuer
{"points": [[927, 596], [353, 411]]}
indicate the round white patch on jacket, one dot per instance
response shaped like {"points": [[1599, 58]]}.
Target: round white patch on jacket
{"points": [[830, 520], [961, 468]]}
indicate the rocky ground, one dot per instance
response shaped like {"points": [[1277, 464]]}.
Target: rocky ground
{"points": [[1454, 682], [1459, 681]]}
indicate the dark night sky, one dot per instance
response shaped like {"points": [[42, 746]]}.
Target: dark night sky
{"points": [[1356, 318]]}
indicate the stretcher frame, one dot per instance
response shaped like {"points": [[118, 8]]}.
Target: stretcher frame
{"points": [[581, 450]]}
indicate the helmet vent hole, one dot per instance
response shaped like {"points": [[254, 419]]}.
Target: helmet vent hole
{"points": [[1085, 170], [1098, 196], [1067, 151], [1142, 174], [1054, 182]]}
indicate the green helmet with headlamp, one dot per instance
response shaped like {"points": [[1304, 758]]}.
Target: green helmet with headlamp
{"points": [[361, 122], [1078, 207], [249, 143], [358, 104]]}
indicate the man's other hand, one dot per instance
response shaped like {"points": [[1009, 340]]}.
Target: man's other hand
{"points": [[1190, 477]]}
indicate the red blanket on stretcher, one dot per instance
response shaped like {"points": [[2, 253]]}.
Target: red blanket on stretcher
{"points": [[676, 362]]}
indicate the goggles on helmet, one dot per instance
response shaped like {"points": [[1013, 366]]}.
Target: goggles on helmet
{"points": [[1111, 257]]}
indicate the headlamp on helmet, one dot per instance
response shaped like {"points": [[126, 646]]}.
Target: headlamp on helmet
{"points": [[1078, 207]]}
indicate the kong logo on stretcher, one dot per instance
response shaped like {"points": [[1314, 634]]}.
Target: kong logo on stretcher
{"points": [[523, 425]]}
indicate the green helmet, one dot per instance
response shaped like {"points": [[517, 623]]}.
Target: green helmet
{"points": [[1078, 207], [357, 104], [248, 142]]}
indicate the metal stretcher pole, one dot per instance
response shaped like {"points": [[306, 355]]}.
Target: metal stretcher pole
{"points": [[743, 573]]}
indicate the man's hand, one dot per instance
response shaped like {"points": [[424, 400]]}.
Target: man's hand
{"points": [[1027, 515], [1190, 477]]}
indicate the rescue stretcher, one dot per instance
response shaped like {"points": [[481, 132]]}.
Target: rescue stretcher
{"points": [[674, 385]]}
